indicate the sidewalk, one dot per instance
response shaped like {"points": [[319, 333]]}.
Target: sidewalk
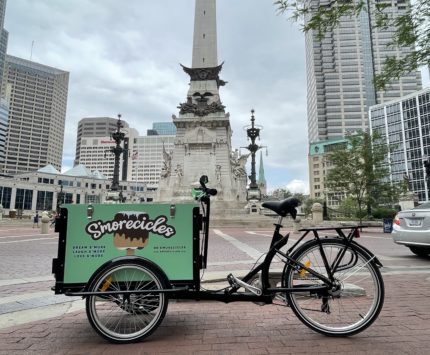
{"points": [[240, 328]]}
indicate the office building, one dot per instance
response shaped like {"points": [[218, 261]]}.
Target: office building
{"points": [[4, 35], [94, 143], [405, 125], [341, 68], [4, 113], [162, 129], [95, 127], [318, 169], [148, 158], [37, 113]]}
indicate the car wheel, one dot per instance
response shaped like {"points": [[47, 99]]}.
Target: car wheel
{"points": [[420, 251]]}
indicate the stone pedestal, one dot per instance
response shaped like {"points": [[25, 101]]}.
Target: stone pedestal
{"points": [[317, 213], [45, 222], [297, 224], [253, 207]]}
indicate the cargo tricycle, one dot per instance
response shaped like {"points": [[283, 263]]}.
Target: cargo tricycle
{"points": [[127, 261]]}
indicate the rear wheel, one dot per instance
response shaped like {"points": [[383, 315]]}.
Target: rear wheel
{"points": [[351, 305], [122, 317], [420, 251]]}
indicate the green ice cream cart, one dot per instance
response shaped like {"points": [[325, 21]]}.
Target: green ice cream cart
{"points": [[128, 260]]}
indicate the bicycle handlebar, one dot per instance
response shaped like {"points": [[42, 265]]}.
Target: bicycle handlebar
{"points": [[207, 191]]}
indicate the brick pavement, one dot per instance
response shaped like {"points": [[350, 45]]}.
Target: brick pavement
{"points": [[216, 328]]}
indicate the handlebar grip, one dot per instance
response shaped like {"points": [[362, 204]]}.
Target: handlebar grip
{"points": [[212, 192]]}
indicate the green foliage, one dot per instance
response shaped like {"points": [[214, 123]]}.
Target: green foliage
{"points": [[359, 171], [411, 29], [382, 212], [349, 207], [281, 193]]}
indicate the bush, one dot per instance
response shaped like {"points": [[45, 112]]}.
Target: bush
{"points": [[380, 213]]}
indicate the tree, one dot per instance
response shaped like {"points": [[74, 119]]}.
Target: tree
{"points": [[412, 28], [281, 193], [359, 170]]}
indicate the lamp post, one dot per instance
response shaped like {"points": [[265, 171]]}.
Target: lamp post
{"points": [[60, 199], [117, 150], [118, 137], [253, 132]]}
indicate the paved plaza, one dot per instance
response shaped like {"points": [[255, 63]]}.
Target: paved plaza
{"points": [[35, 321]]}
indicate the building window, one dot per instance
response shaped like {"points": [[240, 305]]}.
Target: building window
{"points": [[44, 200], [5, 196], [68, 198], [24, 199]]}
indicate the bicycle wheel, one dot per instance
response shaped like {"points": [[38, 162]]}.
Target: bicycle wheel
{"points": [[125, 318], [352, 305]]}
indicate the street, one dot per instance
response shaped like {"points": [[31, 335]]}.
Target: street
{"points": [[33, 319]]}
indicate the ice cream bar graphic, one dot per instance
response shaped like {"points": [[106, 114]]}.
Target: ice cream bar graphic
{"points": [[134, 238]]}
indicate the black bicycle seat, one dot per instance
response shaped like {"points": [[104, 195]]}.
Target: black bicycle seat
{"points": [[283, 207]]}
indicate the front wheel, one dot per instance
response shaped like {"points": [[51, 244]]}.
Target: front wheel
{"points": [[127, 317], [356, 298]]}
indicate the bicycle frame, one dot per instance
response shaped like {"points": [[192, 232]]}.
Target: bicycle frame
{"points": [[278, 242]]}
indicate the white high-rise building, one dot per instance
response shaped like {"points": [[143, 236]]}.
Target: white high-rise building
{"points": [[37, 114], [147, 158], [4, 114], [93, 144]]}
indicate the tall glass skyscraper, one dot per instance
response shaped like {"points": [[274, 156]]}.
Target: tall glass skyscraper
{"points": [[4, 113], [4, 35], [405, 125], [341, 68]]}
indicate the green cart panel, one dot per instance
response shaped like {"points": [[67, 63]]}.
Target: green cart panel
{"points": [[162, 233]]}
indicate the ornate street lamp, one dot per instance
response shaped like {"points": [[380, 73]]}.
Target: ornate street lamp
{"points": [[253, 132], [117, 150]]}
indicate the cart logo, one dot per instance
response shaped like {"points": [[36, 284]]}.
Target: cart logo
{"points": [[132, 223]]}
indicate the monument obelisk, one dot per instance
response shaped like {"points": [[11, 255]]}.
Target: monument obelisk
{"points": [[203, 136]]}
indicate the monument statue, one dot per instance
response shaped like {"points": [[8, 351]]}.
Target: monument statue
{"points": [[203, 132]]}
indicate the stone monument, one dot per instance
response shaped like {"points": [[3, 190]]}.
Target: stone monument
{"points": [[203, 137]]}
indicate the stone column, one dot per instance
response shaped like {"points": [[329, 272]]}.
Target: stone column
{"points": [[317, 213], [297, 225], [45, 223]]}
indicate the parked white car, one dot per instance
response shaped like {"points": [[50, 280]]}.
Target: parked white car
{"points": [[412, 229]]}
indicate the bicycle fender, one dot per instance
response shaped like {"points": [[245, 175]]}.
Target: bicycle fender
{"points": [[125, 259], [368, 253], [363, 249]]}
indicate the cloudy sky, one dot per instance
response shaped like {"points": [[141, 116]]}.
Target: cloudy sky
{"points": [[123, 57]]}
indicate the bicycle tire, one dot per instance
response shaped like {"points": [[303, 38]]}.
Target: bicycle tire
{"points": [[344, 312], [123, 318]]}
